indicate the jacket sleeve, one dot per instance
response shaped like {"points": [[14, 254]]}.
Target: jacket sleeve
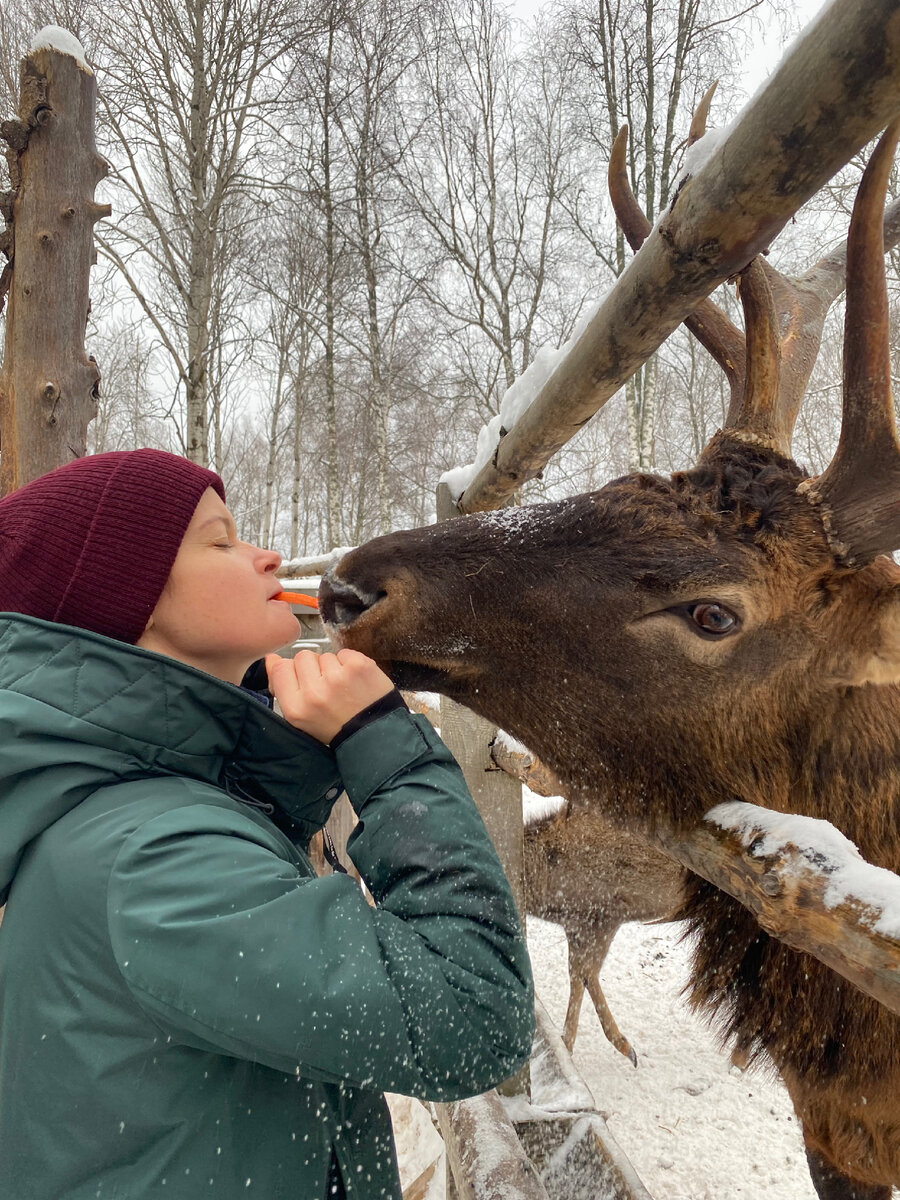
{"points": [[228, 947]]}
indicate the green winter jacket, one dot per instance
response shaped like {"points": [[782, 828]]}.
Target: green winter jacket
{"points": [[185, 1009]]}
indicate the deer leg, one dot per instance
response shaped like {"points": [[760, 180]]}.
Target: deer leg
{"points": [[576, 994], [830, 1184], [587, 953], [610, 1028]]}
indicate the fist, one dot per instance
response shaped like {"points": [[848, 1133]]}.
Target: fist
{"points": [[320, 693]]}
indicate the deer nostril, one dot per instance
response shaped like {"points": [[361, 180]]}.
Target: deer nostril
{"points": [[341, 603]]}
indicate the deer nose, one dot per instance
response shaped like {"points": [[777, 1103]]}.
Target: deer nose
{"points": [[341, 603]]}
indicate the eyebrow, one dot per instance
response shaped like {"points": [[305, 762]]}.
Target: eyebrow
{"points": [[217, 521]]}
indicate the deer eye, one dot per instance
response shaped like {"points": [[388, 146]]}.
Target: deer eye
{"points": [[711, 618]]}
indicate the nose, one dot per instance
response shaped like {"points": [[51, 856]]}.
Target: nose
{"points": [[342, 603], [267, 560]]}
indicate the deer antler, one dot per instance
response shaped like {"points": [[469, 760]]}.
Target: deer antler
{"points": [[757, 414], [859, 492], [804, 301], [709, 325]]}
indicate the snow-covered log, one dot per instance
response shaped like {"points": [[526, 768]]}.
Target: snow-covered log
{"points": [[782, 149], [48, 385], [553, 1146], [313, 564], [484, 1153], [802, 879], [807, 885]]}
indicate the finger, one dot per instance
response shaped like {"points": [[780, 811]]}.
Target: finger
{"points": [[332, 669], [347, 657], [307, 668], [278, 669]]}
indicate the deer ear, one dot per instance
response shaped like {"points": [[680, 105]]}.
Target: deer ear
{"points": [[872, 639]]}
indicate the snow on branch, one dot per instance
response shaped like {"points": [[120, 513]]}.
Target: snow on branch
{"points": [[314, 564], [805, 883], [797, 846]]}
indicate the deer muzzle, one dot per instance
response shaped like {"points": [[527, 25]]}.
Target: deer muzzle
{"points": [[341, 603]]}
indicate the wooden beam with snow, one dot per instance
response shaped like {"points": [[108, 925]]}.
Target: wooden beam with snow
{"points": [[815, 893], [48, 385], [837, 89], [806, 885], [467, 1127], [314, 564]]}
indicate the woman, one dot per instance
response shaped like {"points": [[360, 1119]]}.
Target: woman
{"points": [[185, 1009]]}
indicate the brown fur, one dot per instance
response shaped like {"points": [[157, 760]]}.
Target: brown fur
{"points": [[584, 874], [569, 625]]}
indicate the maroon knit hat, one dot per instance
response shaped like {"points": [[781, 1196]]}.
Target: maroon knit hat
{"points": [[92, 543]]}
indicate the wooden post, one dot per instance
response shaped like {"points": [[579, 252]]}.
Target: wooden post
{"points": [[48, 385]]}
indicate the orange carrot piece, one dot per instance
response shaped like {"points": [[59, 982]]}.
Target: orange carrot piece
{"points": [[298, 598]]}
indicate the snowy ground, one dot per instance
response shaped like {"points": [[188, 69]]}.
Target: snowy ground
{"points": [[693, 1126]]}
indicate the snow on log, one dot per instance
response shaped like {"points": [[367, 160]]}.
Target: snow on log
{"points": [[807, 885], [314, 564], [48, 385], [53, 37], [780, 151]]}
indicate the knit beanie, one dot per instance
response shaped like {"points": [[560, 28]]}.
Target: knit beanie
{"points": [[92, 543]]}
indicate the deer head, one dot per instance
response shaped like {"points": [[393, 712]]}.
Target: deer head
{"points": [[687, 639]]}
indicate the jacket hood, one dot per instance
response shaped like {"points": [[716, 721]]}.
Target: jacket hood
{"points": [[79, 711]]}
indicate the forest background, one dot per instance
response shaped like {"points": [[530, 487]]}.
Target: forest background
{"points": [[341, 230]]}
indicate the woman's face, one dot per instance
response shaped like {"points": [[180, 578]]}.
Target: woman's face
{"points": [[216, 611]]}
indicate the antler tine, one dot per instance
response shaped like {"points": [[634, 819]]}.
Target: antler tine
{"points": [[698, 121], [709, 325], [755, 414], [859, 492], [628, 212]]}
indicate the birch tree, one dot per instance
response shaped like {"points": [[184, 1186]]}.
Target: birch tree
{"points": [[190, 87], [379, 49], [486, 182]]}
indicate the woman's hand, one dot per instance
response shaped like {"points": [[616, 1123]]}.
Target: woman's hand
{"points": [[320, 693]]}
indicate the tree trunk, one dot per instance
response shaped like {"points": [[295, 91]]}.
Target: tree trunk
{"points": [[48, 385], [332, 483], [268, 535]]}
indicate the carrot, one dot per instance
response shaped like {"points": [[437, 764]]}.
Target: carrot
{"points": [[298, 598]]}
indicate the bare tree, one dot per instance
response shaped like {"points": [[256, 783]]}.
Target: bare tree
{"points": [[190, 87], [486, 183], [379, 47], [644, 64]]}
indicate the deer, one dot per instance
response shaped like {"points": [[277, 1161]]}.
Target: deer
{"points": [[589, 877], [743, 642]]}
